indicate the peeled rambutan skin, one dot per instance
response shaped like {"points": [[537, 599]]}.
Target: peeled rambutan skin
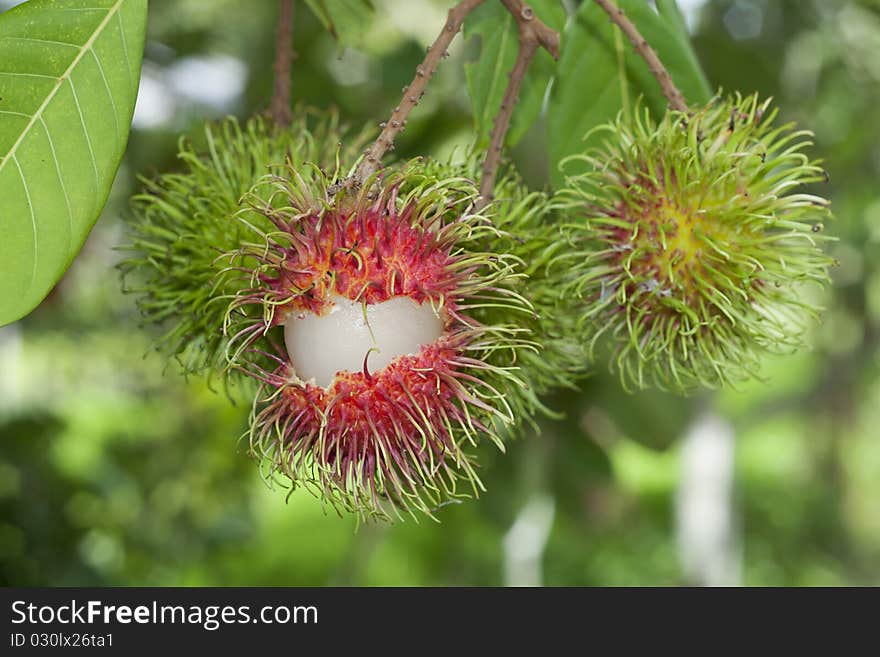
{"points": [[690, 240], [394, 436]]}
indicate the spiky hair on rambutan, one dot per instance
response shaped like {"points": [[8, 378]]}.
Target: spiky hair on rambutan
{"points": [[690, 241], [529, 230], [387, 329], [184, 222]]}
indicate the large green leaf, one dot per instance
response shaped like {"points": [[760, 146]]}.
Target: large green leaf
{"points": [[69, 73], [487, 77], [599, 73]]}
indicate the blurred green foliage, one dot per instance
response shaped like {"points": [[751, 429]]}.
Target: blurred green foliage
{"points": [[115, 470]]}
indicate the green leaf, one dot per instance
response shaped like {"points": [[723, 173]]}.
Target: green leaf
{"points": [[652, 418], [599, 73], [670, 11], [69, 73], [487, 77], [346, 20]]}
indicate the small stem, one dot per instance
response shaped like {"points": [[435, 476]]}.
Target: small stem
{"points": [[533, 34], [524, 57], [618, 17], [413, 93], [280, 107]]}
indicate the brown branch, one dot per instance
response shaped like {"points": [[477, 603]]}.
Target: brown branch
{"points": [[533, 34], [524, 57], [618, 17], [413, 93], [532, 27], [279, 109]]}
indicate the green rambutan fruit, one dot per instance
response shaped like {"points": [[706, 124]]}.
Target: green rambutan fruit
{"points": [[184, 222], [530, 231], [689, 242], [391, 330]]}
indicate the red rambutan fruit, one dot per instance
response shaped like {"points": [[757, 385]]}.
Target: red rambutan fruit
{"points": [[401, 332]]}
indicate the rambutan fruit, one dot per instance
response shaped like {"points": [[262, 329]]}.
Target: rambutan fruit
{"points": [[390, 327], [184, 222], [388, 330], [690, 240], [529, 230]]}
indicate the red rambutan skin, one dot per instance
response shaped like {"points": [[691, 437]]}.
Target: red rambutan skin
{"points": [[370, 257], [398, 421], [393, 433]]}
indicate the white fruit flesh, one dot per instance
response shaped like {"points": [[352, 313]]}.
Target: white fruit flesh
{"points": [[319, 346]]}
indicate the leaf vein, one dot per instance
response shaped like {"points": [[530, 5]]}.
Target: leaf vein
{"points": [[29, 75], [86, 133], [63, 186], [27, 195], [109, 94], [49, 41], [124, 47]]}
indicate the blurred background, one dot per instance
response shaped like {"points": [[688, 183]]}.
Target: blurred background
{"points": [[116, 470]]}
